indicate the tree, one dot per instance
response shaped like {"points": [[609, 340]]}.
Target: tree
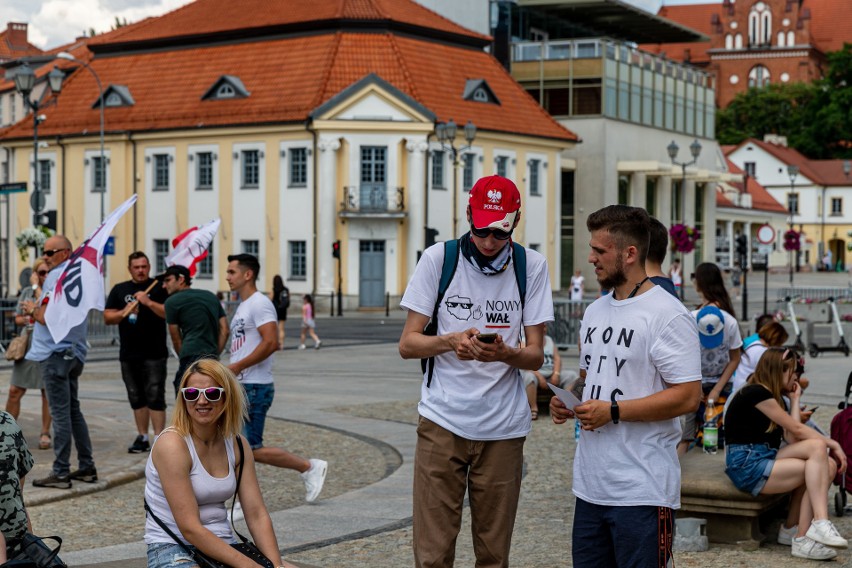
{"points": [[816, 118]]}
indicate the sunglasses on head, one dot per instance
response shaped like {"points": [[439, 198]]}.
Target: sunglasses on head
{"points": [[497, 233], [53, 251], [212, 394]]}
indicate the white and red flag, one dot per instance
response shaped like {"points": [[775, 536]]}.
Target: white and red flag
{"points": [[190, 247], [80, 287]]}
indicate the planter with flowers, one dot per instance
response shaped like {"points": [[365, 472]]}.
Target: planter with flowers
{"points": [[31, 237], [791, 240], [684, 237]]}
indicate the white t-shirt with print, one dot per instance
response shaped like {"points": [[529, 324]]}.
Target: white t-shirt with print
{"points": [[577, 288], [253, 312], [636, 345], [714, 361], [472, 399]]}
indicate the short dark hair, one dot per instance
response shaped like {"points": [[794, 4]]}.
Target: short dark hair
{"points": [[658, 241], [247, 261], [138, 254], [179, 271], [629, 226]]}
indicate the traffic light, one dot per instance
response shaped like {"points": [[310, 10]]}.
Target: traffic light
{"points": [[430, 236], [335, 249], [742, 245], [45, 219]]}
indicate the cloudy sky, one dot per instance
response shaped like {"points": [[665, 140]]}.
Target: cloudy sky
{"points": [[56, 22]]}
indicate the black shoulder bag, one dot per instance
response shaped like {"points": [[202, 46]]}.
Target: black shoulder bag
{"points": [[34, 553], [246, 547]]}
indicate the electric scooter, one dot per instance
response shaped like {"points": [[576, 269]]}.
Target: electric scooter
{"points": [[798, 345], [841, 346]]}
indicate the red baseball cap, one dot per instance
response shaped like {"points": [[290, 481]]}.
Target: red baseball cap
{"points": [[494, 203]]}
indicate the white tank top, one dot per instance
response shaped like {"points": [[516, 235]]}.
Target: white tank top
{"points": [[210, 492]]}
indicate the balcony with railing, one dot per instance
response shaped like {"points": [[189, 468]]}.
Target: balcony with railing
{"points": [[373, 200], [603, 77]]}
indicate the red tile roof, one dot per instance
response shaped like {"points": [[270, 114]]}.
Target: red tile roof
{"points": [[14, 45], [789, 156], [695, 16], [831, 23], [761, 199], [206, 17], [288, 78]]}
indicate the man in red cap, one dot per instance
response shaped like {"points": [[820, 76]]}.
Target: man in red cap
{"points": [[474, 415]]}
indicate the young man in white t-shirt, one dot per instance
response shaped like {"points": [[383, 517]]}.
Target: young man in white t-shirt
{"points": [[639, 349], [577, 286], [474, 415], [254, 338]]}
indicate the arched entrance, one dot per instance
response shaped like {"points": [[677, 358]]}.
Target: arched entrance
{"points": [[838, 254]]}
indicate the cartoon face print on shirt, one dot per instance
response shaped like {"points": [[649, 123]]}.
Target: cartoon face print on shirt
{"points": [[461, 308]]}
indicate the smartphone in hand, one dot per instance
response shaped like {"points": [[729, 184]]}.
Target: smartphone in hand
{"points": [[487, 337]]}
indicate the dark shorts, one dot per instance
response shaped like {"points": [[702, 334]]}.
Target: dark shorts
{"points": [[145, 381], [258, 399], [749, 465], [609, 537], [281, 313]]}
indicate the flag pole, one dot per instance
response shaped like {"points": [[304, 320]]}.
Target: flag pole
{"points": [[132, 305]]}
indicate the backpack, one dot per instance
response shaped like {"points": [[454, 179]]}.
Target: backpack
{"points": [[284, 299], [448, 270]]}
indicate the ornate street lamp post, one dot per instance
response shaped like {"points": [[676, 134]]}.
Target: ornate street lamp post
{"points": [[695, 150], [24, 84], [446, 133]]}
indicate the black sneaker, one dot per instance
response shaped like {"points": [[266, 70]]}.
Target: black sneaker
{"points": [[55, 481], [88, 475], [139, 446]]}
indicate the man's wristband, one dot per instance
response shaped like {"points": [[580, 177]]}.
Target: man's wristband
{"points": [[614, 412]]}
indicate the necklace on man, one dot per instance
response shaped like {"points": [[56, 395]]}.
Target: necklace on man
{"points": [[635, 289]]}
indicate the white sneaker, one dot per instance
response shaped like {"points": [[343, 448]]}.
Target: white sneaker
{"points": [[302, 346], [314, 479], [804, 547], [823, 531], [238, 512], [317, 344], [786, 536]]}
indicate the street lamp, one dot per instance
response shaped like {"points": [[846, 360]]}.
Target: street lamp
{"points": [[793, 204], [102, 103], [24, 83], [695, 150], [446, 133]]}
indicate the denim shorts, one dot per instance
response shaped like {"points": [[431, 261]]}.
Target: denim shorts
{"points": [[259, 399], [749, 466], [169, 555]]}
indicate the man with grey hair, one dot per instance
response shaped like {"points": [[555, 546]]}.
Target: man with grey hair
{"points": [[61, 365]]}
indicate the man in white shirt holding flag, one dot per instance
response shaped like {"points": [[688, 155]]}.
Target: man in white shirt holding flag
{"points": [[74, 286]]}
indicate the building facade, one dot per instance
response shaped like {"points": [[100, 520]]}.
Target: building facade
{"points": [[298, 132]]}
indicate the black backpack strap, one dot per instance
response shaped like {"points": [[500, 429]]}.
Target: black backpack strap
{"points": [[519, 260], [448, 270]]}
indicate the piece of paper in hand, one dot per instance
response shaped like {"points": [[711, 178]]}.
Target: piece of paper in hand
{"points": [[567, 397]]}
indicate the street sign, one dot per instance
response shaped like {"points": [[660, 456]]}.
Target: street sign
{"points": [[109, 247], [16, 187], [37, 201], [766, 234], [763, 249]]}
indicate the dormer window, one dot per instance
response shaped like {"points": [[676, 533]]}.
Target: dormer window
{"points": [[226, 87], [477, 90], [115, 96]]}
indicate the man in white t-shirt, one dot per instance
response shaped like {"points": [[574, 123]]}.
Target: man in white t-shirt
{"points": [[639, 349], [474, 415], [254, 338], [577, 286]]}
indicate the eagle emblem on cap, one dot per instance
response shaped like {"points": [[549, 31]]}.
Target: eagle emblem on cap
{"points": [[494, 196]]}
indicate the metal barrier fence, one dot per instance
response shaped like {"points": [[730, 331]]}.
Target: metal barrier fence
{"points": [[565, 328], [816, 294], [99, 333]]}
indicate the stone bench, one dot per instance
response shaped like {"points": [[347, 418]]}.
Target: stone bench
{"points": [[733, 516]]}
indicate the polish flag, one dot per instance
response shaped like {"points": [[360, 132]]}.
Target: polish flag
{"points": [[190, 247], [80, 287]]}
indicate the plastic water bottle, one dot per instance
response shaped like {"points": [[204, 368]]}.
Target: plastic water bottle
{"points": [[576, 428], [711, 429], [131, 318]]}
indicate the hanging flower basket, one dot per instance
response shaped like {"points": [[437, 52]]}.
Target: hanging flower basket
{"points": [[32, 237], [791, 240], [684, 238]]}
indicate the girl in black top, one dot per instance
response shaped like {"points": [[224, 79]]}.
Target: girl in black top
{"points": [[755, 423]]}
